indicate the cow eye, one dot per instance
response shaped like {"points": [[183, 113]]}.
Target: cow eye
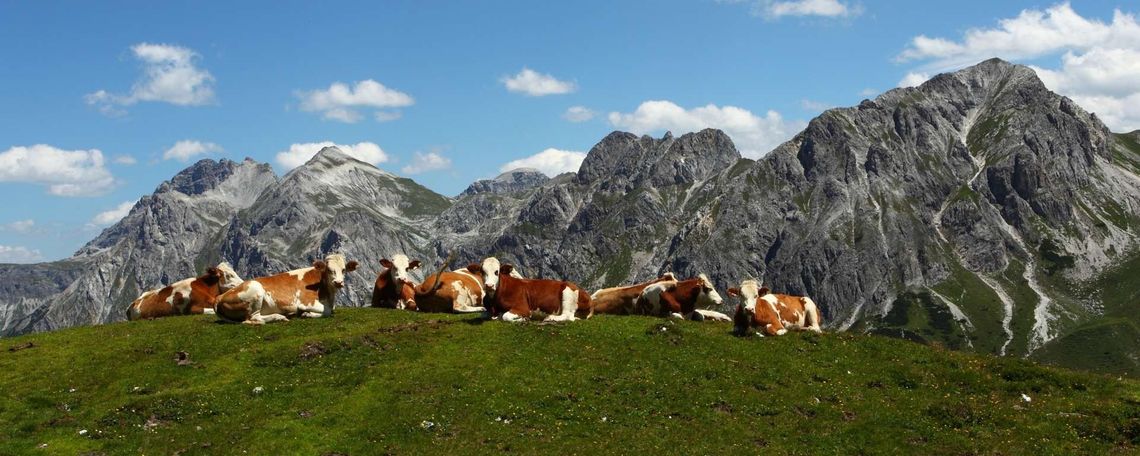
{"points": [[496, 272]]}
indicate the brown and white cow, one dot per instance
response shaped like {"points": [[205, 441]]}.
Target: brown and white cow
{"points": [[195, 295], [773, 313], [488, 273], [681, 299], [517, 298], [622, 300], [306, 292], [394, 288], [451, 291]]}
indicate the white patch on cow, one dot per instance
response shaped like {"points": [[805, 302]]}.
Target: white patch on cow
{"points": [[652, 295], [299, 274], [749, 292], [399, 269], [336, 265], [781, 332], [676, 315], [811, 312], [464, 300], [491, 267], [507, 316], [569, 306], [180, 288], [771, 300], [208, 311]]}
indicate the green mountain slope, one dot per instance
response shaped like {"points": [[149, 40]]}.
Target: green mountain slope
{"points": [[374, 382]]}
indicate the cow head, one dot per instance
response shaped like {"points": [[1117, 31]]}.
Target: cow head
{"points": [[229, 278], [399, 267], [708, 297], [491, 270], [332, 269]]}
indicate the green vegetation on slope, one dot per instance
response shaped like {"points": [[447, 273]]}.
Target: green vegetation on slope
{"points": [[372, 381]]}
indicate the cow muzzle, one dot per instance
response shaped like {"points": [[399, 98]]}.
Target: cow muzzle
{"points": [[338, 284]]}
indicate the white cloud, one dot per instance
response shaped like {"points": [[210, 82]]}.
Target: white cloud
{"points": [[169, 75], [431, 161], [551, 162], [64, 172], [914, 79], [19, 255], [812, 105], [754, 136], [125, 160], [339, 102], [823, 8], [1098, 62], [112, 216], [298, 154], [578, 114], [535, 84], [186, 149], [19, 226]]}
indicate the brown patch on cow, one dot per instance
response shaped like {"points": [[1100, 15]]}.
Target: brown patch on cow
{"points": [[680, 297], [621, 300], [312, 350], [444, 297], [23, 346], [203, 293]]}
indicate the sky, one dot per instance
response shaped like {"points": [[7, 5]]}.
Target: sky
{"points": [[102, 101]]}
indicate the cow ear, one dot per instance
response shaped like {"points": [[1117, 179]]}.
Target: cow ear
{"points": [[351, 266], [506, 269], [386, 263], [414, 265], [320, 265], [764, 291], [733, 292], [475, 268]]}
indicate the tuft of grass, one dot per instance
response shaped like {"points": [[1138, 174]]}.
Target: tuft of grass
{"points": [[371, 381]]}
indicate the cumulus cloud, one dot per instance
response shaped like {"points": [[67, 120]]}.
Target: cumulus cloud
{"points": [[341, 102], [578, 114], [773, 9], [753, 135], [19, 255], [19, 226], [914, 79], [112, 216], [186, 149], [64, 172], [424, 162], [170, 75], [298, 154], [535, 84], [1098, 62], [551, 162]]}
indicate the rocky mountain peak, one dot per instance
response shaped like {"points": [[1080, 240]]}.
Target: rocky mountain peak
{"points": [[623, 159], [511, 181], [200, 177]]}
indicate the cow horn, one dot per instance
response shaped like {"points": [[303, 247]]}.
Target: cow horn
{"points": [[438, 276]]}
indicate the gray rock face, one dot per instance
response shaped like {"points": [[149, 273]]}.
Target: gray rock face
{"points": [[509, 182], [954, 212]]}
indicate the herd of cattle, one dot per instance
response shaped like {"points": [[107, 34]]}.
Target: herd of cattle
{"points": [[490, 287]]}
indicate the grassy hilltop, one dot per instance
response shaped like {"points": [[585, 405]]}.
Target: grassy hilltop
{"points": [[372, 382]]}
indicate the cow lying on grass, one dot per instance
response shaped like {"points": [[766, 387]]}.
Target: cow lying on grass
{"points": [[773, 313], [307, 292], [394, 288], [195, 295], [682, 299], [622, 300], [517, 298]]}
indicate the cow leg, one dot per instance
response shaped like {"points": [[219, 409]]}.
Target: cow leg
{"points": [[713, 315], [676, 315], [208, 311], [670, 304], [812, 318], [772, 330], [511, 317], [312, 315]]}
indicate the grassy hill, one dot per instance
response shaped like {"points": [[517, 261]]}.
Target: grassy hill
{"points": [[371, 382]]}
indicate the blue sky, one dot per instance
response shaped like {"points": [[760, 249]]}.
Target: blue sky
{"points": [[437, 90]]}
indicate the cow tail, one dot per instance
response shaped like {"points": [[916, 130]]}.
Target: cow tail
{"points": [[438, 276]]}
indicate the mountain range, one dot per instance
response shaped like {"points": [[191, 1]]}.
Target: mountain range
{"points": [[979, 211]]}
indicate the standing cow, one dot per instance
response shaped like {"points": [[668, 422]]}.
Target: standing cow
{"points": [[516, 298], [774, 313], [622, 300], [195, 295], [682, 299], [307, 292]]}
